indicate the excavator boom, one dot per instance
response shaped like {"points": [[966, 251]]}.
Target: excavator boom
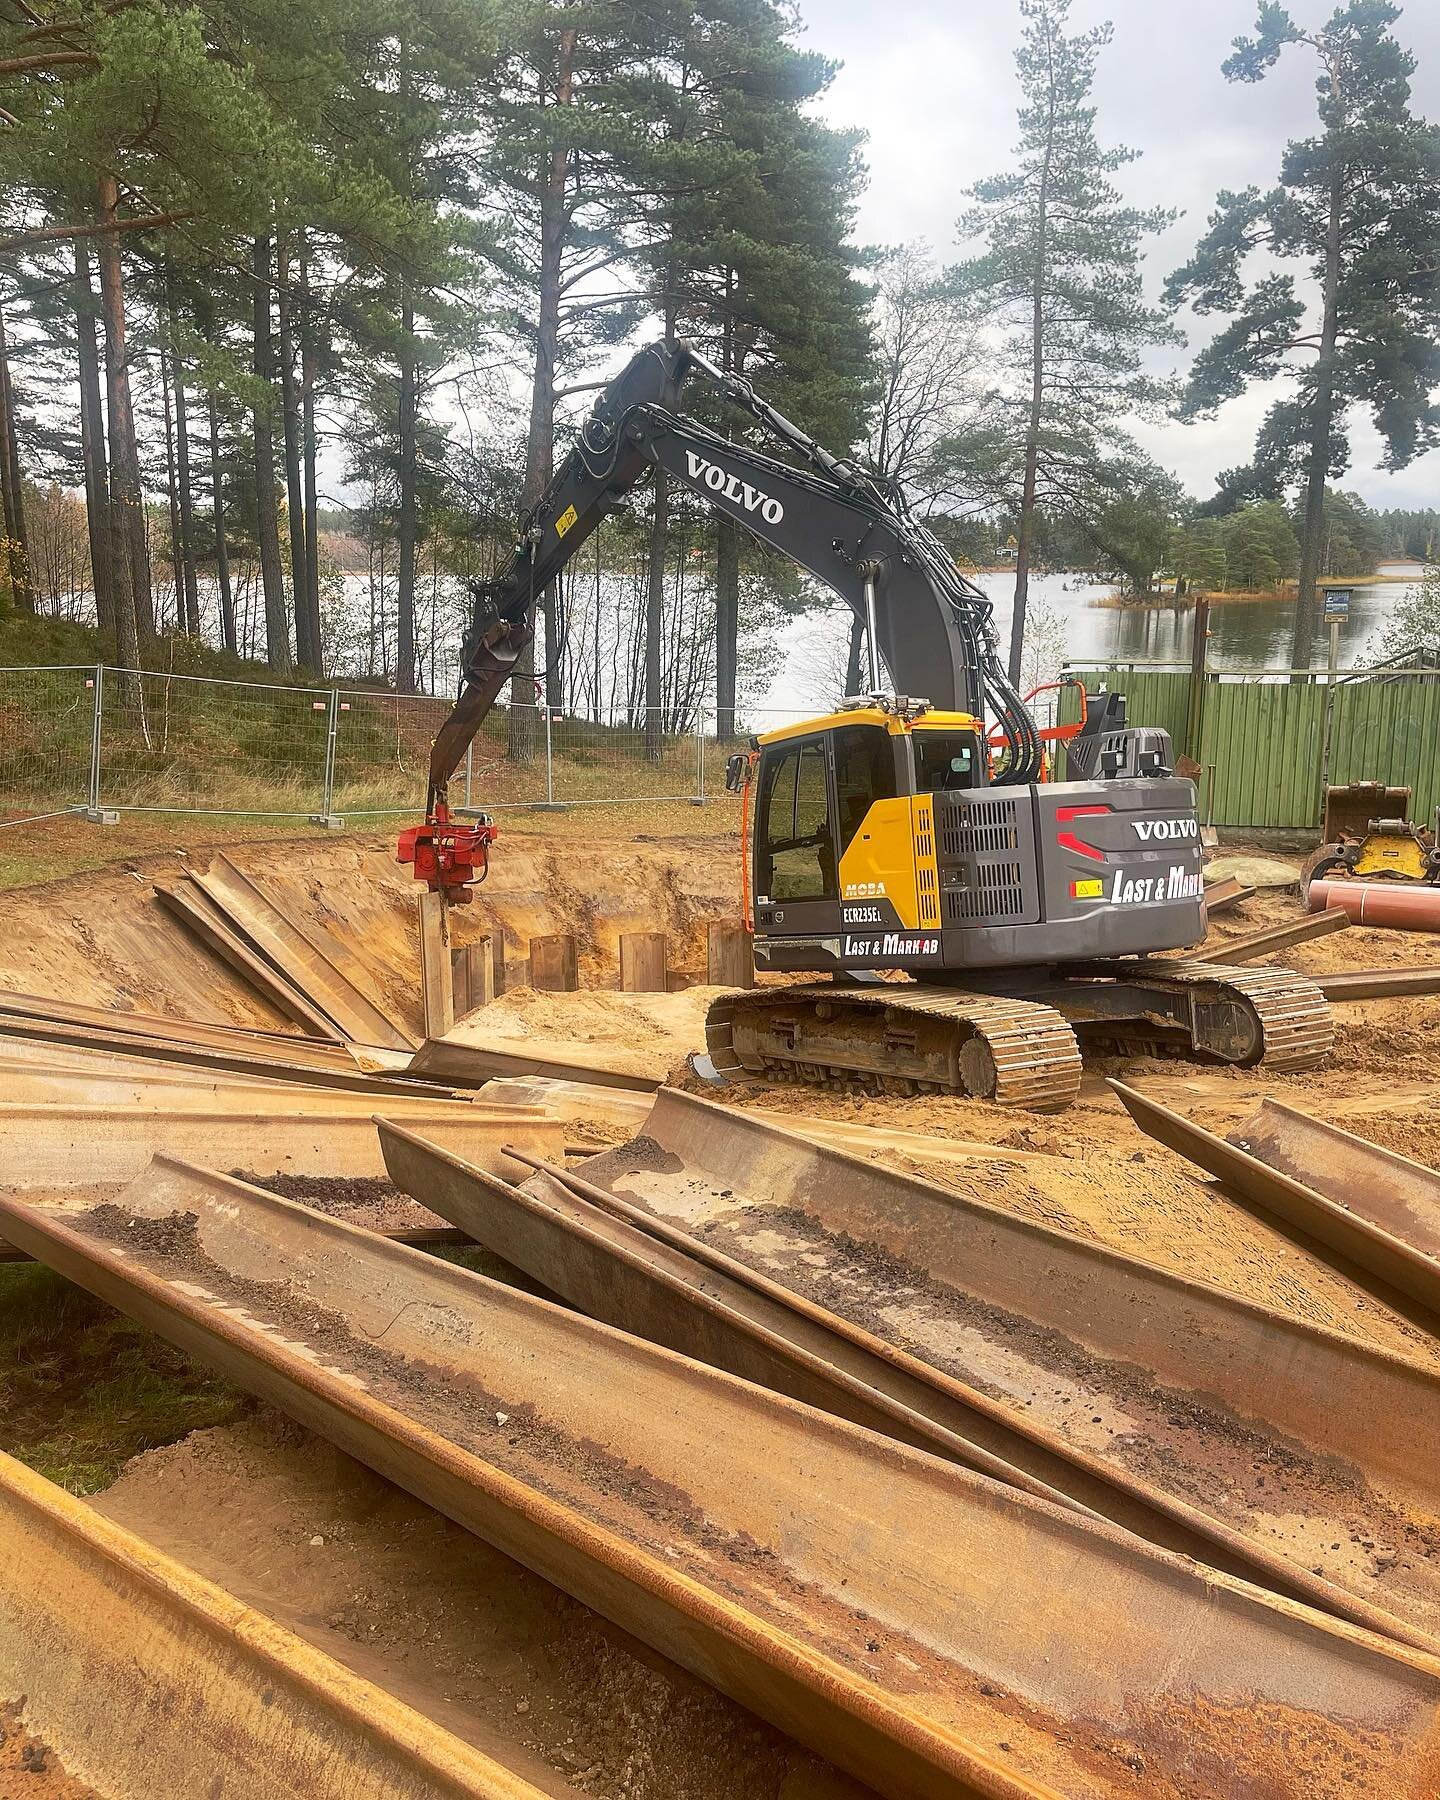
{"points": [[932, 627]]}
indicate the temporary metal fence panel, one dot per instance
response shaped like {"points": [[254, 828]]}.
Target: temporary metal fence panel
{"points": [[381, 759], [109, 740], [192, 744], [639, 755], [46, 731]]}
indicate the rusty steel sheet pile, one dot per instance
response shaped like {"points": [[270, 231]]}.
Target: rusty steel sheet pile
{"points": [[1278, 937], [1378, 1210], [1285, 1441], [56, 1146], [151, 1683], [931, 1630], [101, 1082], [471, 1065], [620, 1264], [298, 1060], [1379, 984]]}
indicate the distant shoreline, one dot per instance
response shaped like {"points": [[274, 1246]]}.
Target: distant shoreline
{"points": [[1289, 590]]}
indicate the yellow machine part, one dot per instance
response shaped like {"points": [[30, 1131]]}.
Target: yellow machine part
{"points": [[892, 857], [1385, 853]]}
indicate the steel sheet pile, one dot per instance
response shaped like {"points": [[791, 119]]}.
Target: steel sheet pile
{"points": [[964, 1504]]}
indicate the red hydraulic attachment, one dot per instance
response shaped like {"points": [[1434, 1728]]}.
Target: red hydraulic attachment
{"points": [[448, 858]]}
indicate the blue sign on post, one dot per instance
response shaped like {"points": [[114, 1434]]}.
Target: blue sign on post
{"points": [[1337, 603]]}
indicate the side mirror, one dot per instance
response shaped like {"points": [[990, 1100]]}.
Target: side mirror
{"points": [[735, 772]]}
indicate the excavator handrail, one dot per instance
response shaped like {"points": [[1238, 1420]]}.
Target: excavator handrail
{"points": [[1057, 734]]}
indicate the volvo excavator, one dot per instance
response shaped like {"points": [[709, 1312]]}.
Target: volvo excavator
{"points": [[976, 920]]}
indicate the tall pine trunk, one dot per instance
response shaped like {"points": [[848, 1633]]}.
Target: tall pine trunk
{"points": [[189, 573], [540, 443], [217, 512], [171, 491], [405, 580], [655, 584], [654, 616], [1025, 535], [306, 652], [12, 494], [1026, 532], [308, 356], [92, 443], [272, 576], [727, 559], [129, 556], [1312, 536], [727, 624]]}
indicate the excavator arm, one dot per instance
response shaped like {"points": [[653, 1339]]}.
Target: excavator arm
{"points": [[932, 626]]}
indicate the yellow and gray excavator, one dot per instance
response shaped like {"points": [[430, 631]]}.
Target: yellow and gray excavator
{"points": [[975, 919]]}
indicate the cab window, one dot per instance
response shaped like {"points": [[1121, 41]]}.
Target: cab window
{"points": [[797, 856], [946, 760], [864, 773]]}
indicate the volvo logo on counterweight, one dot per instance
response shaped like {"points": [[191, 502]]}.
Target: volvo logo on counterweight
{"points": [[730, 487], [1148, 830]]}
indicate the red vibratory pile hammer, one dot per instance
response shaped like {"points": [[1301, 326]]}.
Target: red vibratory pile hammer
{"points": [[449, 858]]}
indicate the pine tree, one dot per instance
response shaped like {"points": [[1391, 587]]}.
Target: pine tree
{"points": [[1357, 208], [1058, 269], [1260, 546], [564, 213], [764, 276], [1196, 557]]}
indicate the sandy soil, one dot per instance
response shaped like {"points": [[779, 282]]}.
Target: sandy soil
{"points": [[636, 1034], [30, 1769], [469, 1637], [102, 938]]}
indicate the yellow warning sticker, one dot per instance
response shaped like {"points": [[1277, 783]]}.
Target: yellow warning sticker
{"points": [[1087, 890], [565, 521]]}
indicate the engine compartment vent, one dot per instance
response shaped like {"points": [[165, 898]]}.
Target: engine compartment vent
{"points": [[980, 827], [997, 896], [987, 858]]}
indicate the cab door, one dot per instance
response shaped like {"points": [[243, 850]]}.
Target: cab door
{"points": [[796, 863]]}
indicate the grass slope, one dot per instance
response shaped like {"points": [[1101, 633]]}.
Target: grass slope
{"points": [[82, 1389]]}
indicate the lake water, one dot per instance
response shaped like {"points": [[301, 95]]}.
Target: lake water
{"points": [[1244, 634]]}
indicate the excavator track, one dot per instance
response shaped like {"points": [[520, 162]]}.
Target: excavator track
{"points": [[908, 1038], [898, 1038], [1288, 1019]]}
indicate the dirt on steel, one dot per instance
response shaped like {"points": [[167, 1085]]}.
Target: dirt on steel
{"points": [[574, 1469], [382, 1583], [478, 1419], [1256, 1460], [910, 1309]]}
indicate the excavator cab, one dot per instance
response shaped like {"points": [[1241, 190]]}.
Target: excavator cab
{"points": [[886, 838]]}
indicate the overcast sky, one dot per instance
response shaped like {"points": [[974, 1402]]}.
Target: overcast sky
{"points": [[933, 84]]}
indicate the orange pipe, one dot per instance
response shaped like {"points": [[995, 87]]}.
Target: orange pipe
{"points": [[1403, 906]]}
